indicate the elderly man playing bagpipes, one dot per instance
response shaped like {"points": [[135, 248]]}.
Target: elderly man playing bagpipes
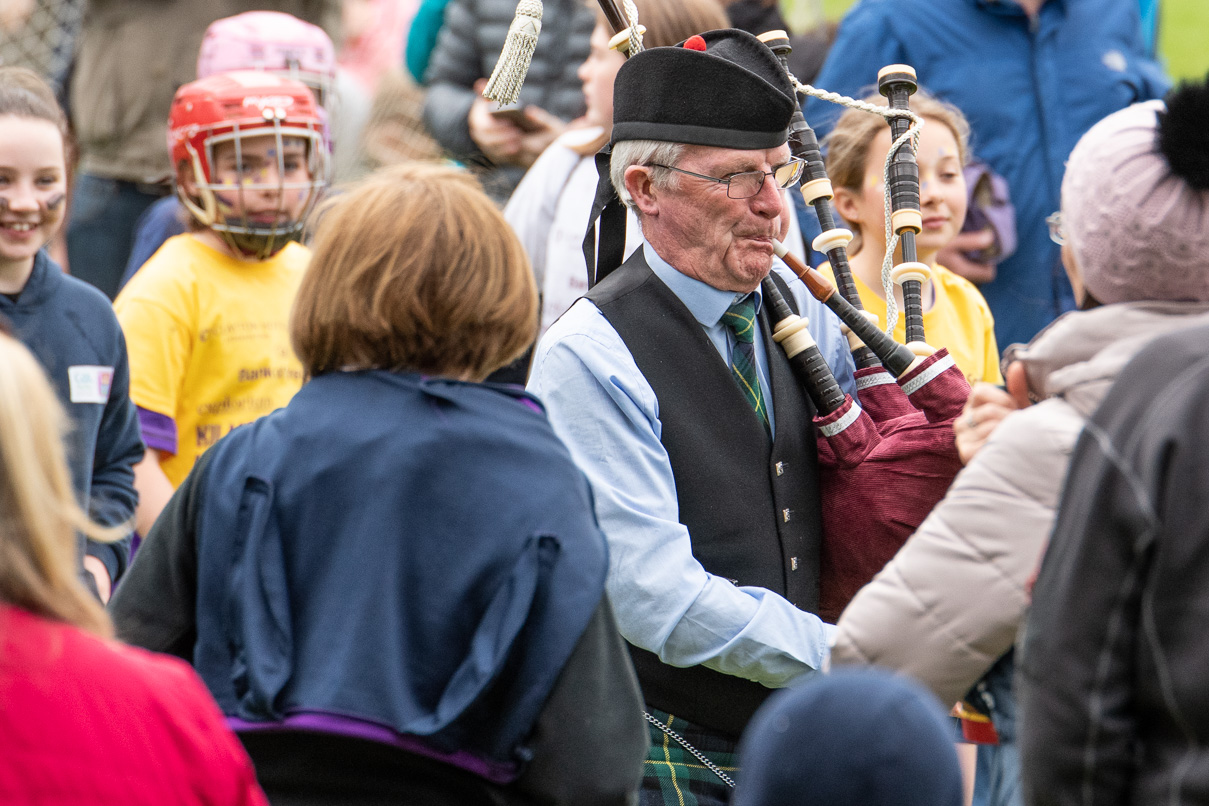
{"points": [[701, 384], [671, 395]]}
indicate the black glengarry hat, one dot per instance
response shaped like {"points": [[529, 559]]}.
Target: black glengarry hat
{"points": [[722, 88]]}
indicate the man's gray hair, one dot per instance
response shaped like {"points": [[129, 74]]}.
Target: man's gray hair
{"points": [[644, 152]]}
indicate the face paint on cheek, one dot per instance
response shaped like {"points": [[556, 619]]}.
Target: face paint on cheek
{"points": [[259, 178], [226, 205], [51, 204]]}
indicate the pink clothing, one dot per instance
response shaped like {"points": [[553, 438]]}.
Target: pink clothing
{"points": [[376, 31], [89, 721]]}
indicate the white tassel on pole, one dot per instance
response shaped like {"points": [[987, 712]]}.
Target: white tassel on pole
{"points": [[504, 86], [634, 30]]}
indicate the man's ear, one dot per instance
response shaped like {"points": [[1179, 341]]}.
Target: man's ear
{"points": [[642, 189]]}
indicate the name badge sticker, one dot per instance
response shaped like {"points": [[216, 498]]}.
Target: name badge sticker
{"points": [[90, 384]]}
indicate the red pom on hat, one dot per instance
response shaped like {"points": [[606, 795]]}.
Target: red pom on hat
{"points": [[695, 42]]}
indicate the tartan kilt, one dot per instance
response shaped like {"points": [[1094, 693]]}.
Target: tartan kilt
{"points": [[673, 776]]}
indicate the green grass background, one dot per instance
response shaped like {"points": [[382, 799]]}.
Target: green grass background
{"points": [[1184, 37], [1183, 32]]}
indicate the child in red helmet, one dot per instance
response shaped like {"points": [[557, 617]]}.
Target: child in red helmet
{"points": [[269, 42], [206, 319]]}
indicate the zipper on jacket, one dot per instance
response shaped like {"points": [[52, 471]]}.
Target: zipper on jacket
{"points": [[1034, 28]]}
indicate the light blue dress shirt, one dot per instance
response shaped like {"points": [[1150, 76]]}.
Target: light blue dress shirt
{"points": [[607, 414]]}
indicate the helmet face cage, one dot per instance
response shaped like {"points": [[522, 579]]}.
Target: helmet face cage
{"points": [[326, 101], [318, 83], [224, 207]]}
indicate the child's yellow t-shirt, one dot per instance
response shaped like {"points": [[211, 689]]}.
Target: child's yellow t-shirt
{"points": [[208, 338], [959, 319]]}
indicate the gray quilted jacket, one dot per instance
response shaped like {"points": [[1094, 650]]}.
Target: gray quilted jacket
{"points": [[469, 44]]}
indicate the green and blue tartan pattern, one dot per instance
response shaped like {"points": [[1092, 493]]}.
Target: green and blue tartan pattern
{"points": [[741, 319], [672, 776]]}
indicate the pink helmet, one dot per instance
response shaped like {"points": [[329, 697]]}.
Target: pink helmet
{"points": [[274, 43]]}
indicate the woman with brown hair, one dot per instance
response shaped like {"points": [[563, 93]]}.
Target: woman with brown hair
{"points": [[84, 720], [394, 586]]}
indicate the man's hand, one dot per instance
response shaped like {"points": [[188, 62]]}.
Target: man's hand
{"points": [[953, 258], [499, 140], [984, 410], [533, 143]]}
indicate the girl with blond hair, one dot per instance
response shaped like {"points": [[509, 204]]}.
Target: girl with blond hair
{"points": [[85, 720]]}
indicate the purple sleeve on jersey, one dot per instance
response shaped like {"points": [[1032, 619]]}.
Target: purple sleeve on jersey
{"points": [[159, 430]]}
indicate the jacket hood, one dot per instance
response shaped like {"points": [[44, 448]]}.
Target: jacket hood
{"points": [[1078, 356]]}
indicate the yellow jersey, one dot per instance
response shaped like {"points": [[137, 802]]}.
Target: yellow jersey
{"points": [[959, 319], [208, 338]]}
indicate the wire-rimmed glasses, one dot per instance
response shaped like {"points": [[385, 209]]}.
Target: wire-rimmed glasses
{"points": [[1056, 233], [749, 183]]}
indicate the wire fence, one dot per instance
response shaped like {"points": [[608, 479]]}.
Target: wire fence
{"points": [[38, 34]]}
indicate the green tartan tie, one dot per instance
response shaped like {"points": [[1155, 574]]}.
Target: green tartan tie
{"points": [[741, 319]]}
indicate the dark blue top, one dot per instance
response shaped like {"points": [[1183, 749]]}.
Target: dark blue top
{"points": [[415, 553], [71, 328], [1030, 89]]}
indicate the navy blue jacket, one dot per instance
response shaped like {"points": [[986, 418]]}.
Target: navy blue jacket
{"points": [[417, 554], [69, 325], [1030, 91]]}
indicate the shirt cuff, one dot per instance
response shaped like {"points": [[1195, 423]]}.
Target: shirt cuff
{"points": [[159, 430], [114, 556]]}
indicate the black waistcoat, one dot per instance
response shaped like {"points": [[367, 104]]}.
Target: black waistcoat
{"points": [[751, 508]]}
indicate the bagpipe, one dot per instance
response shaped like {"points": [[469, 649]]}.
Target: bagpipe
{"points": [[889, 456]]}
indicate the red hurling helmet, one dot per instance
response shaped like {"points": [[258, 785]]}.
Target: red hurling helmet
{"points": [[234, 108]]}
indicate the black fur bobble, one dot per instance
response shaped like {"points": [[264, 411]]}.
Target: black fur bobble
{"points": [[1183, 133]]}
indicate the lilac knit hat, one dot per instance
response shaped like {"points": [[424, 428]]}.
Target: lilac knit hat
{"points": [[1135, 201]]}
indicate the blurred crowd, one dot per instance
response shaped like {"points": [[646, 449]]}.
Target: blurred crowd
{"points": [[678, 432]]}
